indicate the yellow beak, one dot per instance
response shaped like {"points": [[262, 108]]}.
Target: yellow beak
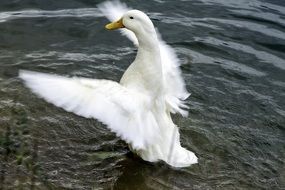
{"points": [[115, 25]]}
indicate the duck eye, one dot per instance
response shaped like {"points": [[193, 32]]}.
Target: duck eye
{"points": [[131, 17]]}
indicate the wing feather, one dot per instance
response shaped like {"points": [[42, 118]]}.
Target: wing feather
{"points": [[124, 112]]}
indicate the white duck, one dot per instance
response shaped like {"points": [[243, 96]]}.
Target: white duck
{"points": [[138, 108]]}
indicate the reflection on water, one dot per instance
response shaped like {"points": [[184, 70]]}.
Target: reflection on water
{"points": [[233, 55]]}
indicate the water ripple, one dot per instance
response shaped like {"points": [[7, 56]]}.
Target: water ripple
{"points": [[260, 17], [246, 5], [261, 55], [246, 25], [227, 64], [81, 12]]}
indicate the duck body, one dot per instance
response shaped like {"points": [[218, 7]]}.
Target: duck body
{"points": [[145, 74], [138, 109]]}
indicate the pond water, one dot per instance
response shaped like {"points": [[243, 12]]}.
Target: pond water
{"points": [[233, 63]]}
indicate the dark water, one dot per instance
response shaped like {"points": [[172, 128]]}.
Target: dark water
{"points": [[234, 66]]}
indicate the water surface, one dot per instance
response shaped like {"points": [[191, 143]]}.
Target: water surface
{"points": [[233, 63]]}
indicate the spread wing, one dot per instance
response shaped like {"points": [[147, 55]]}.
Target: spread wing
{"points": [[124, 112], [175, 88]]}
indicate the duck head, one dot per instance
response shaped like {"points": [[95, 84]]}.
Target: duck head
{"points": [[134, 20]]}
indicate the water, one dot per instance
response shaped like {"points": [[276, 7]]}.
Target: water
{"points": [[233, 63]]}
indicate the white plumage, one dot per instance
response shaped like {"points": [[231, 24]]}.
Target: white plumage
{"points": [[138, 108]]}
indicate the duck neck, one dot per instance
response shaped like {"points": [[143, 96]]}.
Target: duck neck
{"points": [[148, 50], [148, 42], [148, 61]]}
